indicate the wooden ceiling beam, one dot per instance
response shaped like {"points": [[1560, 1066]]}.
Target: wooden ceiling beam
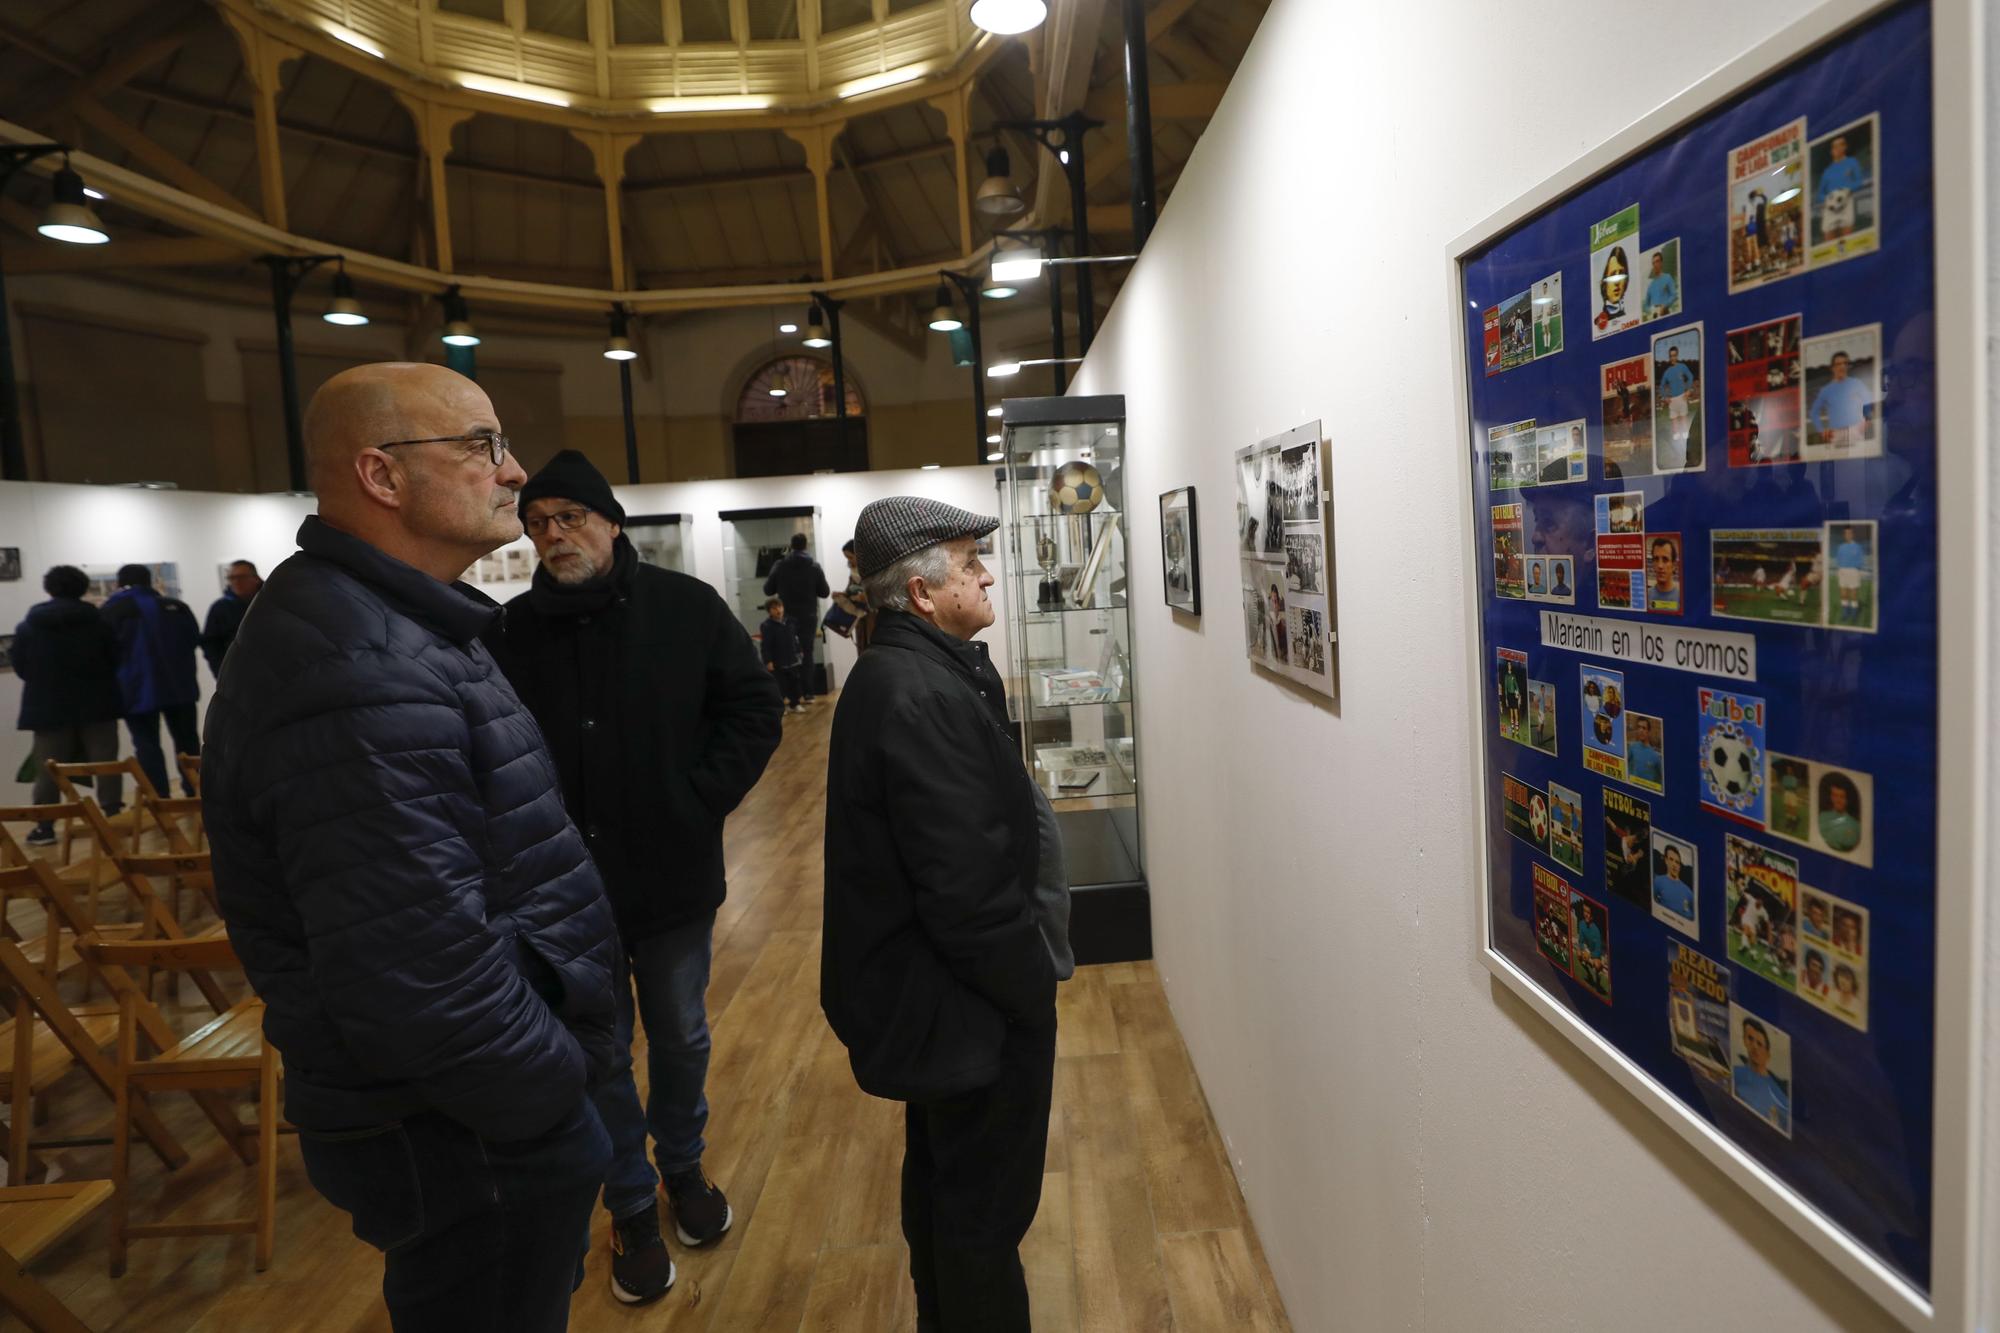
{"points": [[162, 252], [122, 69], [163, 163]]}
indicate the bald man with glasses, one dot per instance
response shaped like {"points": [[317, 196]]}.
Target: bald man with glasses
{"points": [[398, 875]]}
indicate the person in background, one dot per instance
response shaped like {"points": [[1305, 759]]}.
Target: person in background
{"points": [[800, 582], [392, 858], [225, 617], [67, 658], [660, 720], [781, 653], [947, 914], [157, 637], [853, 599]]}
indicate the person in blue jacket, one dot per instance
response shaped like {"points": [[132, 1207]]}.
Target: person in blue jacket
{"points": [[1754, 1083], [1840, 180], [1663, 293], [392, 857], [1670, 890], [157, 638]]}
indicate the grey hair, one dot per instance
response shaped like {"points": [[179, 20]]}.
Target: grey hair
{"points": [[889, 589]]}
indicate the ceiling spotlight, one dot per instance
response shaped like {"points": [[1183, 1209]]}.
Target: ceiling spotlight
{"points": [[1018, 263], [457, 321], [998, 197], [344, 309], [999, 291], [995, 456], [944, 319], [619, 346], [816, 328], [789, 326], [1007, 17], [1001, 370], [69, 217], [993, 411], [994, 438]]}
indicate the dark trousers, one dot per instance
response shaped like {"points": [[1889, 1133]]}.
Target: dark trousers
{"points": [[670, 973], [145, 729], [474, 1233], [804, 620], [85, 743], [792, 680], [972, 1180]]}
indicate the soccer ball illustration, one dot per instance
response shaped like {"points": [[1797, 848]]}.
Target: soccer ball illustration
{"points": [[1538, 816], [1836, 215], [1732, 766], [1077, 489]]}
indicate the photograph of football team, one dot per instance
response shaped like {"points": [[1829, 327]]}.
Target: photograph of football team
{"points": [[1767, 407], [1553, 927], [1298, 479], [1844, 395], [1846, 198]]}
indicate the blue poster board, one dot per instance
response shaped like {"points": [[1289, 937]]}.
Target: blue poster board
{"points": [[1702, 395]]}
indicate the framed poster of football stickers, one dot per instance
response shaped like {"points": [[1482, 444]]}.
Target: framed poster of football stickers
{"points": [[1726, 625]]}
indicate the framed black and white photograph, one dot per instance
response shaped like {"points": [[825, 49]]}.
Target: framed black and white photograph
{"points": [[10, 564], [1179, 550]]}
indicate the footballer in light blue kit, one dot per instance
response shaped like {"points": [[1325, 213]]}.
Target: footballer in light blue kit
{"points": [[1676, 385], [1850, 571], [1663, 292], [1755, 1085], [1843, 408], [1670, 891], [1842, 179]]}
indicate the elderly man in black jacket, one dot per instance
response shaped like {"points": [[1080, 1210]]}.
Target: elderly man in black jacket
{"points": [[398, 875], [661, 719], [946, 914]]}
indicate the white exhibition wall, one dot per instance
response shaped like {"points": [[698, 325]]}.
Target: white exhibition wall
{"points": [[1417, 1148], [98, 526]]}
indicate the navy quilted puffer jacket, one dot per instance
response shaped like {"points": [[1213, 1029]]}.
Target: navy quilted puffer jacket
{"points": [[392, 857]]}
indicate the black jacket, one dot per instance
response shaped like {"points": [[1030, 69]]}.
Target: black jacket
{"points": [[932, 947], [778, 643], [157, 636], [392, 856], [798, 582], [66, 654], [225, 617], [660, 718]]}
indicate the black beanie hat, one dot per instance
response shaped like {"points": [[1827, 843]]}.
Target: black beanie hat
{"points": [[571, 476]]}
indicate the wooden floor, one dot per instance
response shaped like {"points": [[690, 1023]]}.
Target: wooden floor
{"points": [[1141, 1229]]}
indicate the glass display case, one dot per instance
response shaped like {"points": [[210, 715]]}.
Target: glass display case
{"points": [[1071, 690]]}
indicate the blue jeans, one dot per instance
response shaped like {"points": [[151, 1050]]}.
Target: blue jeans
{"points": [[670, 972], [474, 1233], [145, 729]]}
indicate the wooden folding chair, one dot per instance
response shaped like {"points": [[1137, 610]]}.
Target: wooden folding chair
{"points": [[137, 870], [68, 817], [190, 766], [129, 823], [229, 1051], [46, 1037], [32, 1219]]}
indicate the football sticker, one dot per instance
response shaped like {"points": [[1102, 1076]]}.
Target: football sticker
{"points": [[1732, 755]]}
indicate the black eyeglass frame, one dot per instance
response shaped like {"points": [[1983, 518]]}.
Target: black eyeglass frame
{"points": [[496, 443]]}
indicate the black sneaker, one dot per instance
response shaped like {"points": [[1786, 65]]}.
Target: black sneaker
{"points": [[641, 1268], [701, 1213], [42, 835]]}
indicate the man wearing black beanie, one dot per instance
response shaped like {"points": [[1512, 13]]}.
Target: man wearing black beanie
{"points": [[661, 718]]}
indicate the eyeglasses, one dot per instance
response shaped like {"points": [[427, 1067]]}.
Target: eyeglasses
{"points": [[496, 444], [569, 520]]}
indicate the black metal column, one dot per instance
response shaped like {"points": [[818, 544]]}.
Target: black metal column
{"points": [[13, 449], [631, 426], [286, 272], [1139, 122], [1079, 207], [969, 289], [1054, 242]]}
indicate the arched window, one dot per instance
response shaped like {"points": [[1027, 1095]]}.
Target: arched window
{"points": [[808, 385], [798, 431]]}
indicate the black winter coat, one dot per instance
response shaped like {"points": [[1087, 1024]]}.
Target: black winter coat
{"points": [[798, 582], [932, 947], [660, 718], [66, 654], [225, 617], [392, 857], [157, 636]]}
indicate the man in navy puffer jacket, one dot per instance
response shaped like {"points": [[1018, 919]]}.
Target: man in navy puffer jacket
{"points": [[398, 874]]}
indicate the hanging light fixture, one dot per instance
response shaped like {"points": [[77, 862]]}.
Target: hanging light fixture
{"points": [[944, 319], [816, 328], [619, 346], [789, 326], [999, 291], [69, 216], [344, 308], [777, 387], [1007, 17], [1016, 263], [457, 321], [998, 196]]}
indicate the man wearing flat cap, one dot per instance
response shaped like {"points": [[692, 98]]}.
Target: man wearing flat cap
{"points": [[946, 914], [660, 719]]}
